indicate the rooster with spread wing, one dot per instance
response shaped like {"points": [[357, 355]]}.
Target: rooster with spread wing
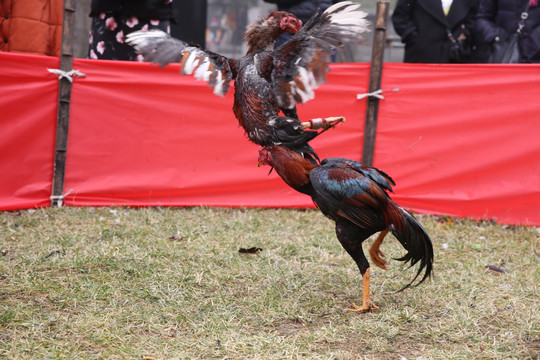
{"points": [[268, 82], [355, 197]]}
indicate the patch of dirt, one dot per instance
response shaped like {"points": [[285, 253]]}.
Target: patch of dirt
{"points": [[291, 327], [534, 349]]}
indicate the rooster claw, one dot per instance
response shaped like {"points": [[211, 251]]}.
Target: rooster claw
{"points": [[322, 123], [369, 306], [377, 258]]}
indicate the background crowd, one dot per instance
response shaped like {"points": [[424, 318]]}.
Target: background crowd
{"points": [[433, 31], [454, 31]]}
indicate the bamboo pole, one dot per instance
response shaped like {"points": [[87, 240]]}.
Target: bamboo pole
{"points": [[64, 98], [377, 59]]}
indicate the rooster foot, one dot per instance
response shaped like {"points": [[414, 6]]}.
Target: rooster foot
{"points": [[377, 258], [369, 306], [322, 123]]}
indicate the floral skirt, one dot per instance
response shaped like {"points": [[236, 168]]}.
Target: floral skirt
{"points": [[108, 32]]}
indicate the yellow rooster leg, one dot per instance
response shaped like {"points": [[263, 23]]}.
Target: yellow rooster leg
{"points": [[321, 123], [376, 253], [367, 304]]}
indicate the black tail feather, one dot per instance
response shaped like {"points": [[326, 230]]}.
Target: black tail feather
{"points": [[288, 132], [415, 240]]}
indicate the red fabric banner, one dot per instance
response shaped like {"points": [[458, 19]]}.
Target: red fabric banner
{"points": [[463, 140], [27, 130], [148, 136], [458, 139]]}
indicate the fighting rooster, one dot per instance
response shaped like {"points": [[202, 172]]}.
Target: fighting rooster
{"points": [[268, 82], [355, 198]]}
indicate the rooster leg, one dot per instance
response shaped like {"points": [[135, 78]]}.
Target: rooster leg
{"points": [[351, 236], [367, 304], [376, 253], [321, 123]]}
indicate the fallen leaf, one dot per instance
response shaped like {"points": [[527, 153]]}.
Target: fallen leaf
{"points": [[495, 269], [55, 252], [251, 250], [176, 238]]}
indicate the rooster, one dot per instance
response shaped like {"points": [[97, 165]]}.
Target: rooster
{"points": [[268, 81], [355, 197]]}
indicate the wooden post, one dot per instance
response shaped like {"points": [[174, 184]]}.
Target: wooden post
{"points": [[64, 98], [377, 56]]}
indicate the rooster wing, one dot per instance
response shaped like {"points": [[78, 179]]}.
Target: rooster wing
{"points": [[160, 48], [347, 189], [301, 63]]}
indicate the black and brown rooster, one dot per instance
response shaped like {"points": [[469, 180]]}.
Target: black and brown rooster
{"points": [[268, 81], [355, 198]]}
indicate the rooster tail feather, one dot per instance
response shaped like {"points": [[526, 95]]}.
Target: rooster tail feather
{"points": [[305, 149], [300, 144], [287, 131], [414, 238], [308, 153]]}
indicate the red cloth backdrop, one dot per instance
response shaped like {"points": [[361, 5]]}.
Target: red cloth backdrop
{"points": [[28, 103], [460, 140]]}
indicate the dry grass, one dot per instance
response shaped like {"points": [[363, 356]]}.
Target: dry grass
{"points": [[100, 283]]}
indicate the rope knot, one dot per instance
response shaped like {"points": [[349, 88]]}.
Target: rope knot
{"points": [[59, 199], [374, 94], [66, 74]]}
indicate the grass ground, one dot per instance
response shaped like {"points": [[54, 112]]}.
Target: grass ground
{"points": [[116, 283]]}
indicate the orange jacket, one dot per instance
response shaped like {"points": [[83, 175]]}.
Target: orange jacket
{"points": [[31, 26]]}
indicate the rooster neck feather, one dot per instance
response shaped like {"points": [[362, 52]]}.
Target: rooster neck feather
{"points": [[262, 35], [292, 167]]}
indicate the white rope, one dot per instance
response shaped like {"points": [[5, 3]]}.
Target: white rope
{"points": [[375, 94], [66, 74], [59, 199]]}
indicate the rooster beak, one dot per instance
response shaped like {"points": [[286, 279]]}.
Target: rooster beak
{"points": [[259, 164]]}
